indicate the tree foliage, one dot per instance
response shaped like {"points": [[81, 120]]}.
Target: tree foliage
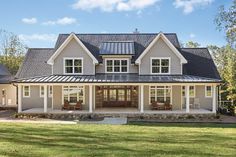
{"points": [[226, 21], [12, 51], [192, 44]]}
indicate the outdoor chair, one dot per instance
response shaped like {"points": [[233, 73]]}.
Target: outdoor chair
{"points": [[157, 106], [66, 106], [168, 106], [78, 106]]}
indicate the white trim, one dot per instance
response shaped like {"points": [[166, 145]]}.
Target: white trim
{"points": [[113, 67], [73, 58], [206, 91], [160, 58], [52, 97], [171, 96], [50, 94], [65, 43], [194, 87], [214, 99], [40, 91], [90, 98], [25, 96], [45, 99], [142, 98], [187, 89], [19, 98], [78, 86], [171, 46]]}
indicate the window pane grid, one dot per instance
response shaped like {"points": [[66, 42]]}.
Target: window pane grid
{"points": [[117, 66], [160, 94], [73, 66], [160, 66]]}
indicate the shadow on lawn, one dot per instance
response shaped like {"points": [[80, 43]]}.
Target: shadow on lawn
{"points": [[185, 125]]}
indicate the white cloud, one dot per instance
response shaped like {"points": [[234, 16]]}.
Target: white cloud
{"points": [[32, 20], [61, 21], [38, 37], [192, 35], [189, 5], [113, 5]]}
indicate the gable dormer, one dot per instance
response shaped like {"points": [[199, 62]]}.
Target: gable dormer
{"points": [[73, 58], [161, 57]]}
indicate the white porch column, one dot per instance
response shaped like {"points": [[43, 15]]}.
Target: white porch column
{"points": [[141, 98], [90, 98], [187, 98], [214, 98], [19, 98], [45, 99]]}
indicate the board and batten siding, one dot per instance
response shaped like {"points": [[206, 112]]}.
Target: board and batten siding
{"points": [[10, 94], [73, 50], [160, 49]]}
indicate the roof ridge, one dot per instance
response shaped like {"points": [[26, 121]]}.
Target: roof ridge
{"points": [[116, 33], [194, 48]]}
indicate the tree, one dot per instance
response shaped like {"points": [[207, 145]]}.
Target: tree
{"points": [[192, 44], [12, 51], [226, 21]]}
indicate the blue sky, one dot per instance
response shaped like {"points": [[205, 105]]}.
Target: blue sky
{"points": [[39, 22]]}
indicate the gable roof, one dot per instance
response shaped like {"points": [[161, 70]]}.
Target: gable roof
{"points": [[35, 64], [64, 44], [5, 75], [200, 63], [198, 58], [169, 44], [94, 41]]}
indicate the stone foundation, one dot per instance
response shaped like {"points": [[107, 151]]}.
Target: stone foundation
{"points": [[143, 116]]}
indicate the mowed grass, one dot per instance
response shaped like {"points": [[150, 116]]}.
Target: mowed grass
{"points": [[17, 139]]}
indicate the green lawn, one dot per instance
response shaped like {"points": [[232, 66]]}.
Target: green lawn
{"points": [[109, 140]]}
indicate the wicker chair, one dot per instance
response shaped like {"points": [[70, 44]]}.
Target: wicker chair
{"points": [[66, 105]]}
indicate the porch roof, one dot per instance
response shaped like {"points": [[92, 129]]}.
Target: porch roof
{"points": [[117, 78]]}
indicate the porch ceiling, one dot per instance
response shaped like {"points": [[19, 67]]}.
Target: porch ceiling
{"points": [[117, 78]]}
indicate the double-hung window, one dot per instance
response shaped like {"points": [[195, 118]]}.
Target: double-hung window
{"points": [[26, 91], [208, 91], [160, 65], [73, 94], [160, 94], [73, 65], [116, 65]]}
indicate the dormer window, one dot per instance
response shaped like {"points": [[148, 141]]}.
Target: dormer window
{"points": [[116, 65], [160, 66], [73, 65]]}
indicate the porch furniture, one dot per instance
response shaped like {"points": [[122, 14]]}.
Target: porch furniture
{"points": [[168, 106], [66, 106], [157, 106], [78, 106]]}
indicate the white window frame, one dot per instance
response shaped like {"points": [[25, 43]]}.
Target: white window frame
{"points": [[82, 87], [160, 58], [206, 91], [26, 96], [50, 92], [164, 87], [113, 66], [40, 91], [73, 67], [189, 91]]}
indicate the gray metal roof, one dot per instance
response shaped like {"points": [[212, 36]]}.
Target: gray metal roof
{"points": [[117, 78], [117, 48]]}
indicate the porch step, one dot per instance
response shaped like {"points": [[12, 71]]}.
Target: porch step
{"points": [[108, 120]]}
